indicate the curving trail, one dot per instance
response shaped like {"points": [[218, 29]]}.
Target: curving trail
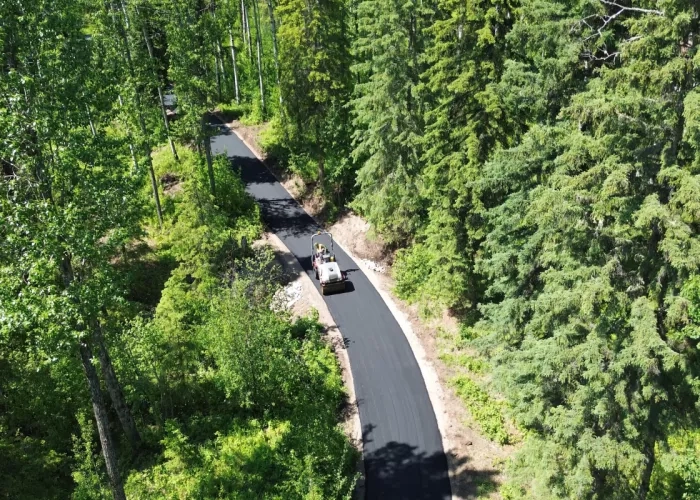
{"points": [[402, 446]]}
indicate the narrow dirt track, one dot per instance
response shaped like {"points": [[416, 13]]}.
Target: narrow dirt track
{"points": [[402, 448]]}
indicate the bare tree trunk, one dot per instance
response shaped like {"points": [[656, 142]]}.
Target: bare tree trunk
{"points": [[149, 46], [217, 76], [92, 125], [142, 124], [320, 160], [246, 29], [167, 124], [243, 23], [273, 27], [220, 60], [131, 144], [115, 390], [235, 69], [154, 185], [210, 166], [33, 137], [321, 172], [133, 157], [98, 406], [258, 42]]}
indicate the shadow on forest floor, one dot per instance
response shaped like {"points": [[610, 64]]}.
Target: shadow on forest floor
{"points": [[146, 271]]}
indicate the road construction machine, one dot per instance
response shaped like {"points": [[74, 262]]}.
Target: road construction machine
{"points": [[326, 269]]}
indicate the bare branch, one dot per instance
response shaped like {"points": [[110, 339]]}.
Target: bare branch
{"points": [[633, 9], [606, 20], [592, 57]]}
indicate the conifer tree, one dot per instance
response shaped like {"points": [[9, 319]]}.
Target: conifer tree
{"points": [[387, 116], [465, 122], [588, 260]]}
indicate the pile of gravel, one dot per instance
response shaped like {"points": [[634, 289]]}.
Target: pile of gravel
{"points": [[286, 297], [377, 268]]}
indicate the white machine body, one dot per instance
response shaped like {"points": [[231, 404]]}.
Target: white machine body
{"points": [[329, 272]]}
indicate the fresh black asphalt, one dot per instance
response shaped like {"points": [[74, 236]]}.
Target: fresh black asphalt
{"points": [[402, 446]]}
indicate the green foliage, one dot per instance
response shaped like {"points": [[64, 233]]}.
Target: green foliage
{"points": [[486, 412], [85, 271], [314, 85], [255, 114], [678, 471], [201, 227], [30, 468], [410, 269], [90, 480], [485, 488], [386, 116], [585, 268], [424, 274], [688, 307], [248, 460], [217, 361], [471, 363], [267, 368], [537, 161], [233, 111]]}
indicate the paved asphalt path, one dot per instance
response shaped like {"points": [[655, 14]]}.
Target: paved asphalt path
{"points": [[402, 445]]}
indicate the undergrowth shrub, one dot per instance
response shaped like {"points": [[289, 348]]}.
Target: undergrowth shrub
{"points": [[487, 413], [241, 401]]}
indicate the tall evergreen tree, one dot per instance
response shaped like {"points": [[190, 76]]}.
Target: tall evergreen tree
{"points": [[387, 116], [590, 258], [466, 121]]}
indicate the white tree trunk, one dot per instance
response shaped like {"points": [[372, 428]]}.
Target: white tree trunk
{"points": [[258, 42], [235, 69]]}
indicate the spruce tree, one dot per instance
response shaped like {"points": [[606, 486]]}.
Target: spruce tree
{"points": [[466, 120], [387, 116], [589, 259]]}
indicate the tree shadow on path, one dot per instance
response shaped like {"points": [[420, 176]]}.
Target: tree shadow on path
{"points": [[399, 471]]}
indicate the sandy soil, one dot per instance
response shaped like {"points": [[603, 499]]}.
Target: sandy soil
{"points": [[354, 234], [475, 462], [250, 133]]}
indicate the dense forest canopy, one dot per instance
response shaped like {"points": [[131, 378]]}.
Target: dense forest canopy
{"points": [[534, 163]]}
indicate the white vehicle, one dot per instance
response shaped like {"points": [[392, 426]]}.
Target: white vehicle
{"points": [[326, 268]]}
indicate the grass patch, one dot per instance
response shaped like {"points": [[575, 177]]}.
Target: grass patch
{"points": [[485, 487], [233, 111], [462, 360], [486, 412]]}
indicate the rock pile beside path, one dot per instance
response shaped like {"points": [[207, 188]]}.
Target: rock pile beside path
{"points": [[286, 297], [377, 268]]}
